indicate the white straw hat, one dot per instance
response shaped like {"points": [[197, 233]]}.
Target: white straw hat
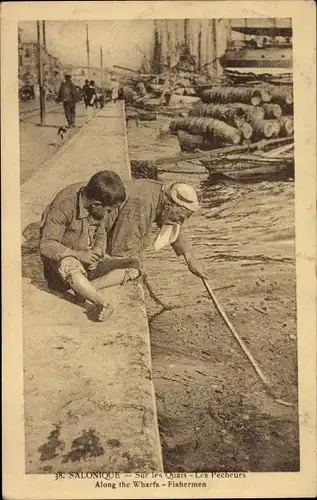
{"points": [[182, 195]]}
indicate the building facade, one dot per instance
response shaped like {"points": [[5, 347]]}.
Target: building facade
{"points": [[28, 65]]}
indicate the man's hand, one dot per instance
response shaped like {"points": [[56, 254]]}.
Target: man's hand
{"points": [[89, 256], [195, 266]]}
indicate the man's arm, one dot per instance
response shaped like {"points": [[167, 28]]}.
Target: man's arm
{"points": [[52, 232], [182, 245]]}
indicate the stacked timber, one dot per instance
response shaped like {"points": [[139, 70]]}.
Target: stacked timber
{"points": [[252, 112], [225, 95], [233, 116], [215, 132], [272, 110], [287, 126], [236, 116], [257, 112], [281, 95]]}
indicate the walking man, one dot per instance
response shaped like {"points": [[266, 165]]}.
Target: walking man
{"points": [[149, 203], [68, 95], [73, 241], [85, 87], [114, 90], [91, 97]]}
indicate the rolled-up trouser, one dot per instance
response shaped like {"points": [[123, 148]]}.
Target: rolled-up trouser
{"points": [[70, 112], [57, 274]]}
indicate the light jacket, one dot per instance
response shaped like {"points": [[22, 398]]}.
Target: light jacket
{"points": [[129, 233], [66, 226]]}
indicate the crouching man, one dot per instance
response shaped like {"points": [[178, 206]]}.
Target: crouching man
{"points": [[149, 203], [73, 240]]}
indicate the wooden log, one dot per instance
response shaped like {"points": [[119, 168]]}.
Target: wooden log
{"points": [[248, 95], [232, 115], [246, 131], [272, 111], [190, 142], [277, 127], [283, 93], [287, 126], [218, 153], [263, 129], [147, 116], [250, 168], [264, 172], [212, 129], [252, 112], [223, 132]]}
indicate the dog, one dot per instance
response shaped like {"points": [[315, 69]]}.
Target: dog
{"points": [[61, 134]]}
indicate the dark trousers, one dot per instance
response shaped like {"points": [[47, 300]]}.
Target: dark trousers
{"points": [[70, 112]]}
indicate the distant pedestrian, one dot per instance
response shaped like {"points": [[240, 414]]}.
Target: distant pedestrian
{"points": [[68, 95], [85, 87], [114, 90], [91, 96]]}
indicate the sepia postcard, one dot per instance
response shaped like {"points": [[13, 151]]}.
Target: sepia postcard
{"points": [[159, 249]]}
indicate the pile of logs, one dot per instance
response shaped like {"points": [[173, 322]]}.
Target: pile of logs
{"points": [[248, 95], [233, 115], [215, 131]]}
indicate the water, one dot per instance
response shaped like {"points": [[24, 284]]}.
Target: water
{"points": [[213, 412], [236, 221]]}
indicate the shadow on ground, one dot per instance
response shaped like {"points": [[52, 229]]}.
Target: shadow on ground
{"points": [[32, 267]]}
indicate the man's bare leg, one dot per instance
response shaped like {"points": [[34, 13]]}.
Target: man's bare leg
{"points": [[86, 290]]}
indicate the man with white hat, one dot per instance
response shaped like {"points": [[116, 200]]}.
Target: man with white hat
{"points": [[149, 202]]}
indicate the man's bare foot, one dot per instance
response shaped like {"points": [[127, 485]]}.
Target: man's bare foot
{"points": [[104, 312], [132, 274]]}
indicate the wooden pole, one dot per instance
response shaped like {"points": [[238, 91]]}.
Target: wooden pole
{"points": [[214, 47], [169, 51], [207, 43], [44, 34], [229, 35], [245, 25], [267, 384], [186, 35], [101, 69], [40, 73], [199, 47], [48, 66], [88, 51]]}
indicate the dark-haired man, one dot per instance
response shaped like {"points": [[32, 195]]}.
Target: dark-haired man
{"points": [[69, 96], [84, 89], [73, 240], [91, 97]]}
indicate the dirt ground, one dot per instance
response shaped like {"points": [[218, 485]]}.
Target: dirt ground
{"points": [[214, 413], [39, 143]]}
